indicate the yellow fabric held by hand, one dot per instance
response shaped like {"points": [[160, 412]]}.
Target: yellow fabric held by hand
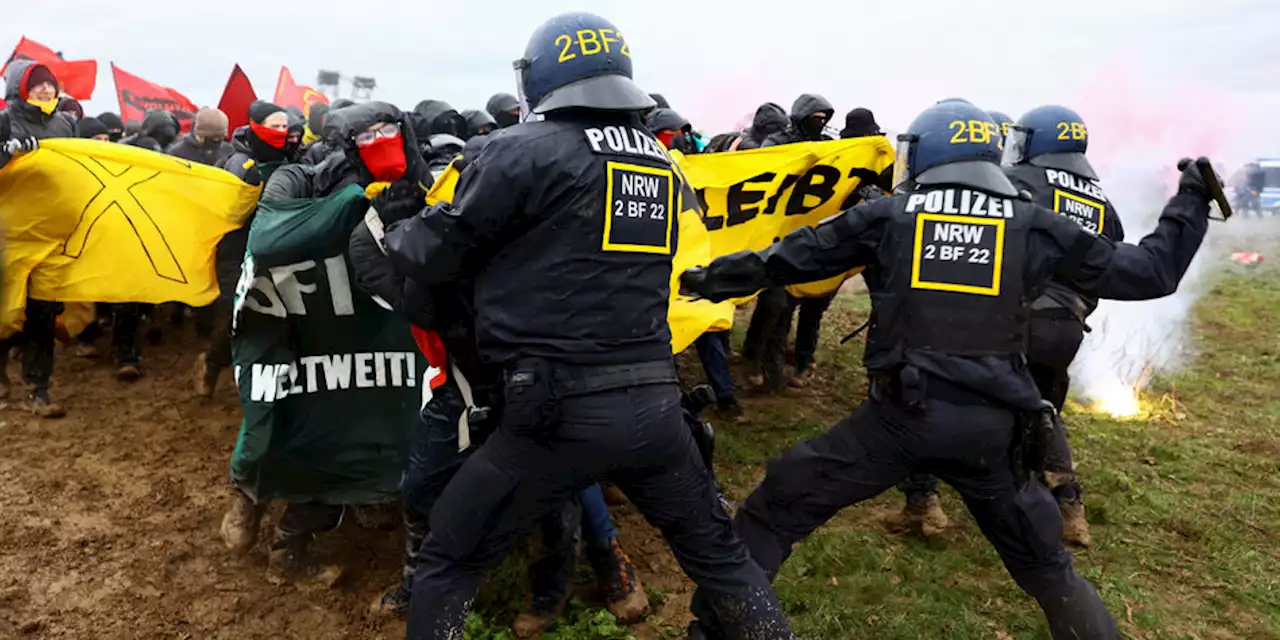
{"points": [[748, 200], [91, 221]]}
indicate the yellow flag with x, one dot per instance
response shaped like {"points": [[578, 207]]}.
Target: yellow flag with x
{"points": [[90, 221]]}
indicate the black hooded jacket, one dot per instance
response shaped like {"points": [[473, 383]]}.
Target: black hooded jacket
{"points": [[160, 126], [24, 120], [804, 107], [343, 167], [770, 119], [477, 120], [501, 106], [250, 156], [212, 155]]}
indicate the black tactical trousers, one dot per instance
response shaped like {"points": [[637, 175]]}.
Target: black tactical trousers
{"points": [[809, 328], [434, 460], [967, 443], [767, 336], [1055, 337], [634, 436], [36, 342]]}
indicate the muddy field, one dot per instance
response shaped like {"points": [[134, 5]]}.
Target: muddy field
{"points": [[111, 517]]}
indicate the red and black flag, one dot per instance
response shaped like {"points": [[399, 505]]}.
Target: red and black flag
{"points": [[138, 96], [77, 77]]}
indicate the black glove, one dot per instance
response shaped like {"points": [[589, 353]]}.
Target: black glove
{"points": [[401, 200], [21, 145], [1192, 182], [736, 275]]}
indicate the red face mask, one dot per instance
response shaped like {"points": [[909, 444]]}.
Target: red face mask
{"points": [[274, 138], [665, 137], [384, 158]]}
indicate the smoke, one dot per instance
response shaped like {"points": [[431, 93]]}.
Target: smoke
{"points": [[1140, 134]]}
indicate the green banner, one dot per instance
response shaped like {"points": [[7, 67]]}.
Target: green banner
{"points": [[330, 382]]}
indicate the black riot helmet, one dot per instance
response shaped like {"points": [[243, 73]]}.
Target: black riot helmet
{"points": [[933, 152], [1053, 137], [578, 60]]}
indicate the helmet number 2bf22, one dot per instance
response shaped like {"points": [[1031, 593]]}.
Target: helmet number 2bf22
{"points": [[589, 43]]}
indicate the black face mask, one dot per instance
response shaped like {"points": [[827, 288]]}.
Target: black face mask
{"points": [[211, 144], [165, 135], [506, 119], [264, 153], [811, 127], [114, 135]]}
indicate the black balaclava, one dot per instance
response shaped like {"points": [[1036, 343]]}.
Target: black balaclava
{"points": [[161, 126], [114, 125], [504, 108], [262, 152], [90, 127]]}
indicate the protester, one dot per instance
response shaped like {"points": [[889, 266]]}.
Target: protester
{"points": [[71, 107], [257, 150], [479, 123], [440, 130], [115, 126], [92, 129], [207, 143], [672, 130], [769, 119], [31, 91], [504, 108], [315, 123]]}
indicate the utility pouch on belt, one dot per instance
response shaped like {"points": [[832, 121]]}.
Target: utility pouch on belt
{"points": [[530, 402], [1037, 437]]}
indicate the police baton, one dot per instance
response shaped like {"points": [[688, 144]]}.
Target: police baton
{"points": [[1210, 178]]}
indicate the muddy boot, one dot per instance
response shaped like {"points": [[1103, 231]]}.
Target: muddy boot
{"points": [[1070, 496], [42, 404], [921, 515], [623, 594], [394, 602], [239, 528], [291, 563], [539, 615], [128, 373], [205, 379]]}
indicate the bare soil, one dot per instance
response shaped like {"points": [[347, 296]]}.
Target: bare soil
{"points": [[111, 515]]}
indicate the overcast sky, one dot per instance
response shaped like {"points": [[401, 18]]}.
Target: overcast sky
{"points": [[1204, 72]]}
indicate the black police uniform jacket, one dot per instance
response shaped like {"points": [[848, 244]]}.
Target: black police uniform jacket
{"points": [[569, 226], [1079, 199], [951, 272]]}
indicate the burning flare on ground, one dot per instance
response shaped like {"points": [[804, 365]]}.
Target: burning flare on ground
{"points": [[1121, 399]]}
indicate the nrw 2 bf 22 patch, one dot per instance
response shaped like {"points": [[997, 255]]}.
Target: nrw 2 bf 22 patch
{"points": [[639, 210], [961, 254]]}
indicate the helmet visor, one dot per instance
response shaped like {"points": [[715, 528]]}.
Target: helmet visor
{"points": [[1015, 146], [902, 160]]}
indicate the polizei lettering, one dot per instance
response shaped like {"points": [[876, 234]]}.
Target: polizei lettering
{"points": [[624, 141], [1072, 182], [329, 373], [963, 202]]}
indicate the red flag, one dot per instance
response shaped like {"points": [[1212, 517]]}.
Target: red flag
{"points": [[77, 77], [138, 96], [236, 99], [291, 94]]}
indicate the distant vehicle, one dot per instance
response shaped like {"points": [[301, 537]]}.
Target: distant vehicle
{"points": [[1269, 199], [1256, 187]]}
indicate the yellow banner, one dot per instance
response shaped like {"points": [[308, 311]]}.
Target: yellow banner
{"points": [[749, 199], [90, 221]]}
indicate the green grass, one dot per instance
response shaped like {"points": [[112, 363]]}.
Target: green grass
{"points": [[1184, 504]]}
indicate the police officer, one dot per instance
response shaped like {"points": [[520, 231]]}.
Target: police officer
{"points": [[953, 261], [1045, 154], [1002, 120], [567, 226]]}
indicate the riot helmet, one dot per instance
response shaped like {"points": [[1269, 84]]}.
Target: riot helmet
{"points": [[1003, 120], [578, 60], [952, 142], [1053, 137]]}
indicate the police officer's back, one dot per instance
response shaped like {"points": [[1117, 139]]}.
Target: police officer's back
{"points": [[952, 262], [568, 226]]}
